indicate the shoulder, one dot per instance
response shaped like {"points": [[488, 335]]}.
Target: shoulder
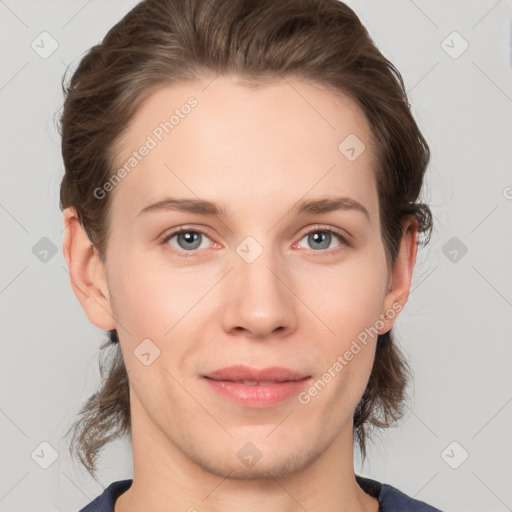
{"points": [[392, 499], [106, 500]]}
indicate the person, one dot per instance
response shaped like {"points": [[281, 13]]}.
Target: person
{"points": [[242, 213]]}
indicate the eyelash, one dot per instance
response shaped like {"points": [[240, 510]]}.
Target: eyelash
{"points": [[315, 229]]}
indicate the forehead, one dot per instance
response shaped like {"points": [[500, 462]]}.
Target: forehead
{"points": [[215, 137]]}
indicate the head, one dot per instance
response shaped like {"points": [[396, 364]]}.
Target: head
{"points": [[255, 107]]}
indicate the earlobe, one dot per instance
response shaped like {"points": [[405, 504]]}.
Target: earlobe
{"points": [[399, 284], [87, 273]]}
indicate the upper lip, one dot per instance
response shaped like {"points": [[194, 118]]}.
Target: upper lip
{"points": [[245, 373]]}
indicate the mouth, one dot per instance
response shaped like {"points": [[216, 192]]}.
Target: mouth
{"points": [[252, 382], [256, 388]]}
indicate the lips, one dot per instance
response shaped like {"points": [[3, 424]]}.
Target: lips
{"points": [[256, 388], [253, 376]]}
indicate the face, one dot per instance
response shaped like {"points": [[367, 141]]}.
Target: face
{"points": [[282, 282]]}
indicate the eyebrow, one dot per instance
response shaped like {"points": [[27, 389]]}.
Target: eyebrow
{"points": [[205, 207]]}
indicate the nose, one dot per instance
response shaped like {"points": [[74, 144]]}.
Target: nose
{"points": [[259, 299]]}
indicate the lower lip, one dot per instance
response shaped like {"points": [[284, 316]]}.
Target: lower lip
{"points": [[257, 396]]}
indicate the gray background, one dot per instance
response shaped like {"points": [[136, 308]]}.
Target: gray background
{"points": [[455, 329]]}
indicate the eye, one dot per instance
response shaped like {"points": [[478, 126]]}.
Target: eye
{"points": [[321, 238], [187, 240]]}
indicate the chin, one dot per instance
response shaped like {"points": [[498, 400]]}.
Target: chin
{"points": [[257, 464]]}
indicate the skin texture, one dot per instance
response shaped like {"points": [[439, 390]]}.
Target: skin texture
{"points": [[256, 153]]}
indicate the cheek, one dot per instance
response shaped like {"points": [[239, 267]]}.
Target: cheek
{"points": [[350, 304], [155, 304], [149, 299], [352, 297]]}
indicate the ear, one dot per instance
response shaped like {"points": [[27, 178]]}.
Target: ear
{"points": [[87, 273], [399, 283]]}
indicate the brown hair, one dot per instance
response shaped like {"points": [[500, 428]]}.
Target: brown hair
{"points": [[162, 42]]}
